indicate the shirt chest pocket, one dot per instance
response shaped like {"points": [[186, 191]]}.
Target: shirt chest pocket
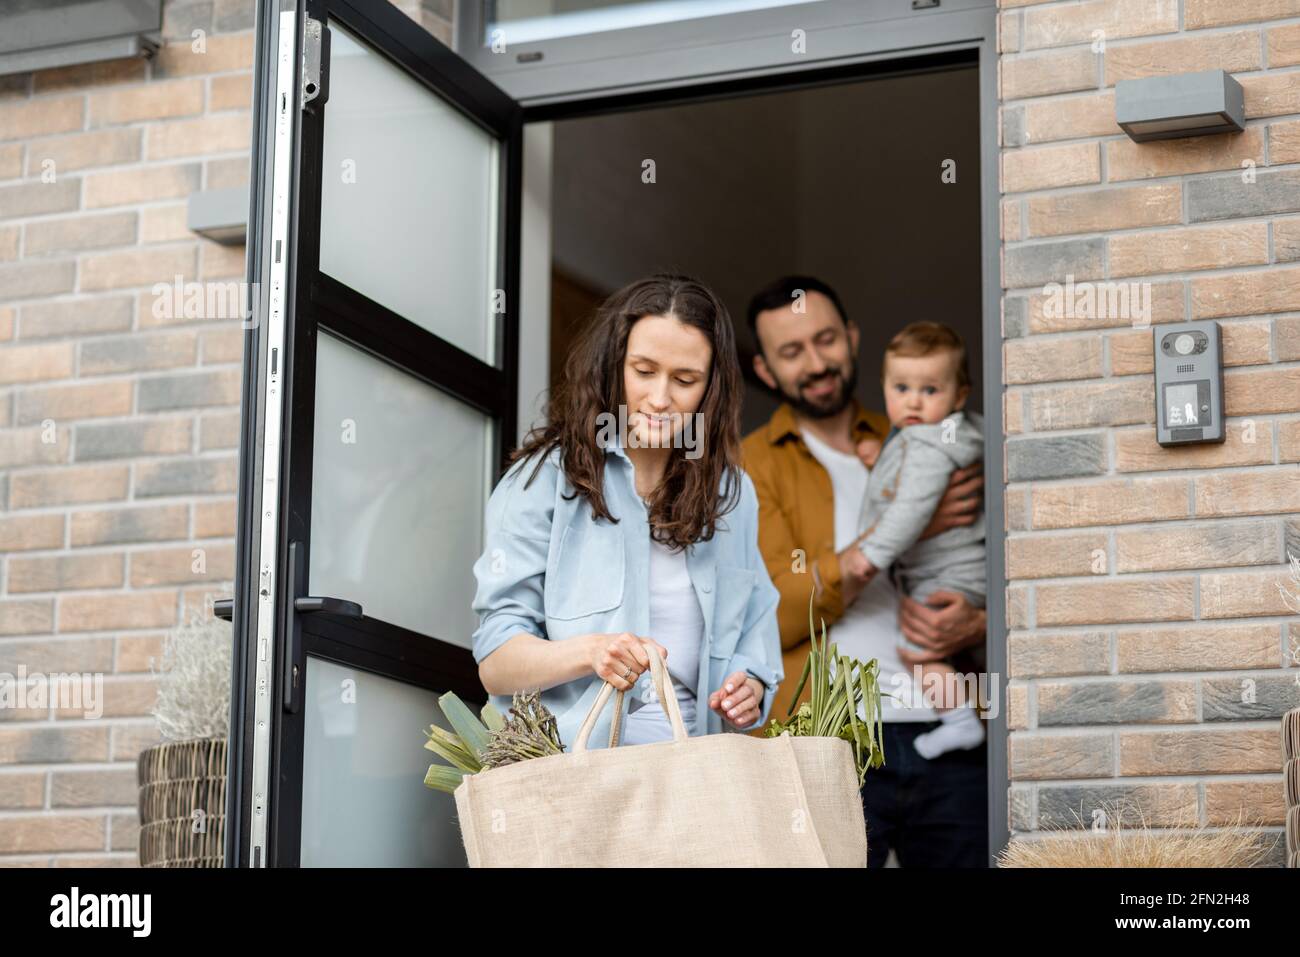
{"points": [[587, 577], [733, 587]]}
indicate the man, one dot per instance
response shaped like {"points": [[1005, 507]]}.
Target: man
{"points": [[810, 484]]}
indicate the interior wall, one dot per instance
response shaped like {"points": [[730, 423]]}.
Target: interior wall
{"points": [[843, 182]]}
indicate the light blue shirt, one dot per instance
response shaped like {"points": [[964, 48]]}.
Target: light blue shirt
{"points": [[549, 570]]}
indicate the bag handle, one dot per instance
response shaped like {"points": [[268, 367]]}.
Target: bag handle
{"points": [[667, 699]]}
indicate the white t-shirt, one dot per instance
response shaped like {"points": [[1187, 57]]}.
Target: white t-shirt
{"points": [[869, 628], [677, 623]]}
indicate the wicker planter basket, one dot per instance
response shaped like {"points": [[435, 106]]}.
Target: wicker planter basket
{"points": [[177, 779]]}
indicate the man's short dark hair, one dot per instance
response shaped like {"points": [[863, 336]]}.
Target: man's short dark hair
{"points": [[780, 293]]}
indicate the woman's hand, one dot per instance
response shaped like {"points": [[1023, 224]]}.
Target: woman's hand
{"points": [[620, 659], [739, 700]]}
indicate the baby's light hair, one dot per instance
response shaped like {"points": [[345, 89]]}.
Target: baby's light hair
{"points": [[925, 338]]}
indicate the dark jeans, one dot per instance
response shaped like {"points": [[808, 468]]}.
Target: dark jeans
{"points": [[933, 813]]}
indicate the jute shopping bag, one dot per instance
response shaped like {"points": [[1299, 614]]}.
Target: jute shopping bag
{"points": [[723, 800], [830, 782]]}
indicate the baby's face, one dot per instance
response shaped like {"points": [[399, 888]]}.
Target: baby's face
{"points": [[922, 389]]}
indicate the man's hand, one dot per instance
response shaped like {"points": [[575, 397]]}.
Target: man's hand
{"points": [[961, 503], [739, 700], [947, 624]]}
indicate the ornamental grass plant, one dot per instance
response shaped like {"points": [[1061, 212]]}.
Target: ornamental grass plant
{"points": [[839, 686], [1125, 845]]}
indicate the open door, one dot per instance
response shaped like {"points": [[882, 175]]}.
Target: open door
{"points": [[379, 404]]}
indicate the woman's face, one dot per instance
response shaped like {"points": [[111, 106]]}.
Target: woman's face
{"points": [[665, 373]]}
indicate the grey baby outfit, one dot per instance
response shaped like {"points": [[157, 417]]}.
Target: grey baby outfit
{"points": [[908, 480]]}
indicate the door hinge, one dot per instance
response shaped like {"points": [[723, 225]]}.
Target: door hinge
{"points": [[315, 64]]}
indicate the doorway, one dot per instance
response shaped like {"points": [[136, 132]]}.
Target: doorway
{"points": [[338, 652], [750, 188], [736, 198]]}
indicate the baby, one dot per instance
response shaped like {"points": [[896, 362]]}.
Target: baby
{"points": [[926, 384]]}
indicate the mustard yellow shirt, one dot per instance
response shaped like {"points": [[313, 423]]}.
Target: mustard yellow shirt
{"points": [[796, 532]]}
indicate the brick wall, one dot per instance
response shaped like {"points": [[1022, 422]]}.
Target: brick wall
{"points": [[121, 429], [118, 457], [1148, 636]]}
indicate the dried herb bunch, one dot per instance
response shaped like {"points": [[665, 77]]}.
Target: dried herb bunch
{"points": [[488, 740], [530, 732]]}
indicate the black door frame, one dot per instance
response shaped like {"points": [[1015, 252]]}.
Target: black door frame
{"points": [[965, 46]]}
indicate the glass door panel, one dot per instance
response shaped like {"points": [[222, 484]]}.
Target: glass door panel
{"points": [[409, 198], [364, 801], [400, 472]]}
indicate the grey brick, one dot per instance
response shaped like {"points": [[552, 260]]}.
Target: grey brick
{"points": [[35, 198], [138, 352], [110, 440], [76, 317], [1127, 805], [1038, 264], [1116, 402], [1111, 702], [82, 232], [1056, 456], [1291, 540], [194, 476], [1020, 809], [1237, 543], [1227, 197], [180, 19], [231, 16], [1221, 698], [1276, 850], [227, 173], [150, 523], [62, 655], [190, 390], [1013, 126], [107, 786], [1015, 316], [68, 741], [27, 280]]}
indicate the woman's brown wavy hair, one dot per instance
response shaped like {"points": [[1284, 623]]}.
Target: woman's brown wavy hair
{"points": [[694, 493]]}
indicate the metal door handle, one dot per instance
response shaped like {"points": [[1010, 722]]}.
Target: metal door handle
{"points": [[335, 606]]}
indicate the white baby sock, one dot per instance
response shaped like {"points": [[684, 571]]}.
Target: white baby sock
{"points": [[958, 728]]}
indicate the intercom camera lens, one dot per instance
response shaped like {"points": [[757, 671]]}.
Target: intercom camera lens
{"points": [[1184, 344]]}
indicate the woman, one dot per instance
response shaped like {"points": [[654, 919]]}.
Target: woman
{"points": [[600, 542]]}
